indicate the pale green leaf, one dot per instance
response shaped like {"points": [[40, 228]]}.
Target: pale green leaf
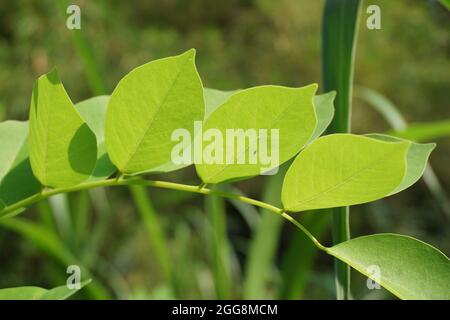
{"points": [[146, 107], [416, 160], [324, 107], [13, 135], [63, 149], [409, 268], [214, 99], [36, 293], [288, 110], [93, 112], [17, 181], [344, 169]]}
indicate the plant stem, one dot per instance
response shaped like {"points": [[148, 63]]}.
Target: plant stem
{"points": [[339, 29], [158, 184]]}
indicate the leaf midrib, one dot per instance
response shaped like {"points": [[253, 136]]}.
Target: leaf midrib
{"points": [[269, 128], [152, 119], [356, 173]]}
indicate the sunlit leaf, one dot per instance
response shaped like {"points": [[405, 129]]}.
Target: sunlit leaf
{"points": [[63, 149], [37, 293], [407, 267], [416, 160], [288, 110], [17, 181], [323, 105], [344, 169], [214, 99], [93, 111], [146, 107]]}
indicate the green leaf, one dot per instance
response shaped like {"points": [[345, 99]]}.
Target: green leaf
{"points": [[323, 105], [62, 148], [409, 268], [416, 160], [343, 169], [147, 105], [214, 99], [17, 181], [290, 110], [93, 112], [36, 293]]}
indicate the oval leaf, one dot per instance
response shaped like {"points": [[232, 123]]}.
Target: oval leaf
{"points": [[343, 169], [409, 268], [146, 107], [63, 149], [288, 110]]}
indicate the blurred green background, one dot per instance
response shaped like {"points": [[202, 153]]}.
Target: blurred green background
{"points": [[166, 244]]}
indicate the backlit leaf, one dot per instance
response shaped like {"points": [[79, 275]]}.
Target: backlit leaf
{"points": [[17, 181], [416, 160], [62, 147], [344, 169], [146, 107], [323, 105], [93, 112], [407, 267], [288, 110], [37, 293], [214, 99]]}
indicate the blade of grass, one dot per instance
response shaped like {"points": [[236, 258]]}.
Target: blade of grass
{"points": [[215, 207], [154, 231], [48, 242], [63, 219], [262, 249], [84, 50], [81, 215], [298, 260], [339, 30], [100, 228], [249, 213], [46, 215]]}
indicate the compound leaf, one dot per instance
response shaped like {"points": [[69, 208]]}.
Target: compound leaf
{"points": [[146, 107], [407, 267], [344, 169], [63, 149]]}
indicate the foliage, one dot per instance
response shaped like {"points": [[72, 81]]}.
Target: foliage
{"points": [[334, 170]]}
